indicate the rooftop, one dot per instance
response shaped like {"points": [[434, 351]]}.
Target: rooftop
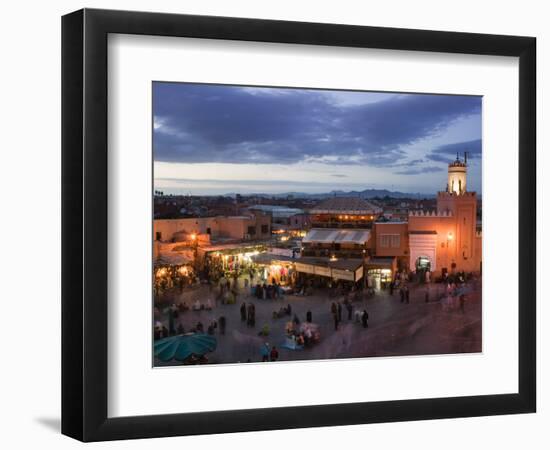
{"points": [[345, 205], [342, 264], [337, 235]]}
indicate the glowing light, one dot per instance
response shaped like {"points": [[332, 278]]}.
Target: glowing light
{"points": [[333, 258], [450, 236], [193, 236]]}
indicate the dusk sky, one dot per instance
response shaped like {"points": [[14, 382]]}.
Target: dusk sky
{"points": [[213, 139]]}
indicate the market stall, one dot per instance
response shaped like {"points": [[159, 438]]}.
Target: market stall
{"points": [[173, 269], [380, 271], [229, 260], [275, 268]]}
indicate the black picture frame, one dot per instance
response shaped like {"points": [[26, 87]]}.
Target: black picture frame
{"points": [[84, 224]]}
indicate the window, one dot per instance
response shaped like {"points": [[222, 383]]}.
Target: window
{"points": [[158, 236], [395, 241], [252, 230], [390, 240], [265, 229]]}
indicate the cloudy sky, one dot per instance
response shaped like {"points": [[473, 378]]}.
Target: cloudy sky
{"points": [[214, 139]]}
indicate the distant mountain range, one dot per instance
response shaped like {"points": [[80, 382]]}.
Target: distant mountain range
{"points": [[366, 194]]}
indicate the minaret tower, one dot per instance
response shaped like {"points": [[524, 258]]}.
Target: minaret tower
{"points": [[456, 180], [462, 206]]}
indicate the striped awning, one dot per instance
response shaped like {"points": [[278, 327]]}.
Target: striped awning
{"points": [[337, 236]]}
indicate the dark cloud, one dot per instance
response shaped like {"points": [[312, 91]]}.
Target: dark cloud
{"points": [[209, 123], [183, 182], [447, 153]]}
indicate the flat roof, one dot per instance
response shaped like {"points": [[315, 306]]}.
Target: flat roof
{"points": [[337, 235], [344, 264], [268, 258], [173, 259], [380, 261], [345, 205], [221, 247]]}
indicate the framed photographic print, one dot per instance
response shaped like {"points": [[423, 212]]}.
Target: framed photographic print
{"points": [[273, 224]]}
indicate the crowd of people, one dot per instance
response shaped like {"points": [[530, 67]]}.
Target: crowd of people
{"points": [[347, 304], [449, 289], [248, 314], [336, 310], [265, 291]]}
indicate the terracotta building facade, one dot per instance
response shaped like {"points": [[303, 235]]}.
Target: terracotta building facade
{"points": [[443, 240]]}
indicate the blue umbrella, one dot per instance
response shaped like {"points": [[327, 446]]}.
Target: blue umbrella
{"points": [[183, 346]]}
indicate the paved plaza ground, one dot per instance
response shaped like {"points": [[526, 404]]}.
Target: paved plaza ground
{"points": [[440, 326]]}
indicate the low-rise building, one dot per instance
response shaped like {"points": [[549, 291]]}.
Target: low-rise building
{"points": [[250, 227], [441, 240], [336, 242], [344, 212]]}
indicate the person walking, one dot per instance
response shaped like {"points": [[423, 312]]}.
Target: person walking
{"points": [[339, 306], [221, 323], [335, 317], [365, 318], [253, 318], [264, 352], [308, 317], [274, 355], [249, 315], [243, 311], [407, 294], [349, 307], [402, 294]]}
